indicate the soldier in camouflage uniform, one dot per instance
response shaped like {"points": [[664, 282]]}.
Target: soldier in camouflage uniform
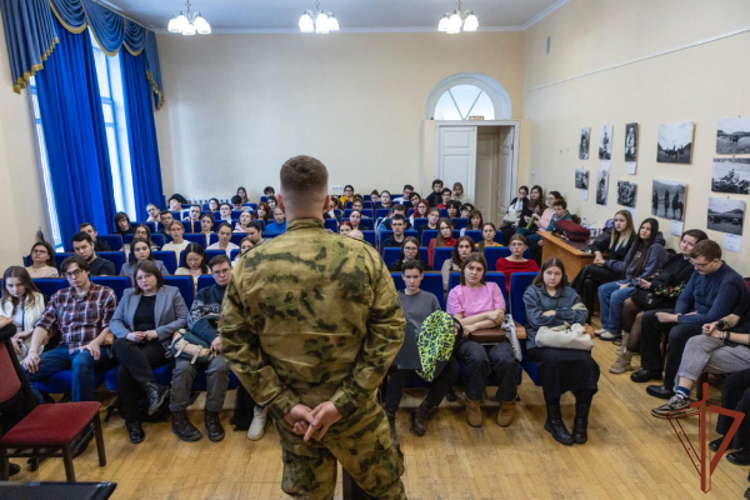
{"points": [[310, 324]]}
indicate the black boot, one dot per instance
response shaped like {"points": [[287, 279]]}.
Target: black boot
{"points": [[135, 432], [213, 426], [392, 426], [419, 418], [581, 423], [183, 428], [13, 469], [555, 426], [157, 396]]}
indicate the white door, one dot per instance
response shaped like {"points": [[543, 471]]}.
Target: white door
{"points": [[506, 183], [487, 177], [458, 157]]}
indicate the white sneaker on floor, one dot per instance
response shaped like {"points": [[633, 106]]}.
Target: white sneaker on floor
{"points": [[607, 335], [258, 425], [599, 331]]}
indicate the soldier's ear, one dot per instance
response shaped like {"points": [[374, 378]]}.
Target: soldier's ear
{"points": [[327, 203], [280, 201]]}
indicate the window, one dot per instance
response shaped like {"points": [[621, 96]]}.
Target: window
{"points": [[462, 101], [57, 242]]}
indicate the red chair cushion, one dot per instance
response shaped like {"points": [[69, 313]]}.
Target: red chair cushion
{"points": [[11, 383], [51, 424]]}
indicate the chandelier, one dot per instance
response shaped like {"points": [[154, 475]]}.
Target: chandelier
{"points": [[318, 21], [452, 23], [189, 24]]}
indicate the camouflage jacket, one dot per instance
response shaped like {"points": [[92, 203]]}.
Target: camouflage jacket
{"points": [[311, 316]]}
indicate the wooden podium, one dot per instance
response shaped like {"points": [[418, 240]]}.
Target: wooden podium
{"points": [[573, 254]]}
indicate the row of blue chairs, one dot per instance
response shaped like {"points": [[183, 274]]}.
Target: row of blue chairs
{"points": [[491, 254]]}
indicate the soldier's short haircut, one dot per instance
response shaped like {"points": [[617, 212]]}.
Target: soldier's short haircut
{"points": [[303, 176]]}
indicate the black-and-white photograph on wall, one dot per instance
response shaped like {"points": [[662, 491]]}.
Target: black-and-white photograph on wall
{"points": [[675, 142], [583, 146], [726, 216], [602, 186], [668, 199], [733, 136], [631, 142], [626, 193], [731, 175], [605, 142], [582, 178]]}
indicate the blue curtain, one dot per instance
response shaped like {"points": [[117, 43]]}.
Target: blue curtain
{"points": [[75, 137], [144, 151]]}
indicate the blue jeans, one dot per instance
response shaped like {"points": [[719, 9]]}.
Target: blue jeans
{"points": [[82, 364], [611, 300]]}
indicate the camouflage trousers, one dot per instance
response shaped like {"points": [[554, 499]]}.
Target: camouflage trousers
{"points": [[363, 445]]}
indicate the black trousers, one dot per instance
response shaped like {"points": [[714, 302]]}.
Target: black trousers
{"points": [[563, 370], [587, 283], [652, 357], [735, 395], [440, 386], [137, 361]]}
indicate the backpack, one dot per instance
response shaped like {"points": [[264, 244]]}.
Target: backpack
{"points": [[572, 231], [436, 343], [187, 345]]}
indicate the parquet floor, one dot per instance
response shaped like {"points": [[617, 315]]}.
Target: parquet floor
{"points": [[629, 455]]}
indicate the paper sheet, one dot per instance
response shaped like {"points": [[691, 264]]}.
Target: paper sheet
{"points": [[606, 164], [631, 167], [677, 227], [584, 194], [732, 242]]}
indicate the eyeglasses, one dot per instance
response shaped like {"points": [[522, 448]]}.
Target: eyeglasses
{"points": [[700, 266], [40, 252], [73, 274], [222, 272]]}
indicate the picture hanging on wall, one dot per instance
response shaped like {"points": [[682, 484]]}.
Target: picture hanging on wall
{"points": [[626, 193], [631, 142], [605, 142], [731, 175], [675, 142], [602, 187], [733, 136], [583, 146], [725, 215], [582, 178], [668, 199]]}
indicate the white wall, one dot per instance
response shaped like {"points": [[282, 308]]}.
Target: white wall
{"points": [[21, 197], [702, 83], [238, 106]]}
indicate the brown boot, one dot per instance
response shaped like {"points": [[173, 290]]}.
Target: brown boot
{"points": [[473, 413], [506, 413], [622, 364]]}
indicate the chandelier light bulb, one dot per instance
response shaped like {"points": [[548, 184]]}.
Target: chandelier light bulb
{"points": [[471, 23], [190, 30], [306, 23], [174, 25], [454, 24], [182, 22], [318, 21], [443, 24], [333, 23], [321, 23], [189, 23], [201, 25]]}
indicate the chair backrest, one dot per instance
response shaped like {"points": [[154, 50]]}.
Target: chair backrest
{"points": [[419, 222], [113, 240], [157, 239], [519, 282], [205, 281], [237, 237], [236, 214], [331, 224], [459, 223], [116, 283], [432, 282], [497, 278], [50, 286], [391, 255], [196, 238], [491, 254], [116, 258], [191, 226], [430, 234], [476, 236], [8, 374], [60, 257], [369, 237], [382, 212], [168, 258], [251, 206], [234, 253], [185, 284], [441, 255], [271, 234]]}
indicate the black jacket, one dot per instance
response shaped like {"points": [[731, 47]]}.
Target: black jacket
{"points": [[601, 244]]}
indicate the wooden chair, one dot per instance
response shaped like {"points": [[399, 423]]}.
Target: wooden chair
{"points": [[49, 430]]}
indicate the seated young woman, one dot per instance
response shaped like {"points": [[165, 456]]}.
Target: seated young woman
{"points": [[194, 264], [518, 208], [541, 222], [143, 324], [358, 203], [140, 251], [355, 220], [646, 256], [263, 212], [144, 232], [488, 237], [515, 262], [476, 222], [444, 238], [433, 217], [616, 243], [245, 219], [272, 204], [213, 205], [225, 240], [454, 209], [22, 304], [43, 264], [242, 193], [660, 290], [535, 205], [479, 305], [463, 247], [458, 193], [245, 244], [465, 211], [550, 303], [421, 211], [347, 196], [207, 227], [409, 251], [385, 199]]}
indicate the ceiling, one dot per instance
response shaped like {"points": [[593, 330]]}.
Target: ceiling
{"points": [[270, 16]]}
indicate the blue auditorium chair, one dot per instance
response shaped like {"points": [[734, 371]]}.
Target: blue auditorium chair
{"points": [[432, 282], [519, 282], [116, 283], [116, 258], [205, 281], [331, 224], [476, 236], [185, 284], [234, 254], [441, 255], [459, 223], [197, 238], [60, 257], [113, 240], [369, 236], [157, 239], [49, 286], [168, 258]]}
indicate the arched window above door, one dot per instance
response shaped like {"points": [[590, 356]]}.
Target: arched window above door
{"points": [[468, 94]]}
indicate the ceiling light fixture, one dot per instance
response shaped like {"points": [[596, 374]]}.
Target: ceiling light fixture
{"points": [[189, 24], [318, 21], [451, 23]]}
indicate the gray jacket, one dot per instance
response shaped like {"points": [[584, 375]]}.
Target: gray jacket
{"points": [[128, 269], [170, 310], [566, 304]]}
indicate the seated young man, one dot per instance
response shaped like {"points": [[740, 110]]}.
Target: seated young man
{"points": [[84, 247], [81, 313], [99, 245], [203, 322], [167, 219], [398, 209], [445, 197], [435, 197], [712, 293], [194, 215], [398, 225], [175, 204], [408, 190], [417, 305], [454, 208]]}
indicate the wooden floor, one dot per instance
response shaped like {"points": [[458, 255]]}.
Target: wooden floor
{"points": [[629, 455]]}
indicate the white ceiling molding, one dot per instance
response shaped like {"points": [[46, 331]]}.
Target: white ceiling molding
{"points": [[546, 12]]}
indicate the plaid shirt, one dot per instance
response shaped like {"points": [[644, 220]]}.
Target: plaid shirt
{"points": [[79, 319]]}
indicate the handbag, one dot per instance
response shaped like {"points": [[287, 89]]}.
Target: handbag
{"points": [[564, 337], [572, 231], [187, 345], [437, 342], [648, 300]]}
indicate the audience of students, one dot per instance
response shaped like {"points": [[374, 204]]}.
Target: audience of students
{"points": [[193, 264], [122, 224], [279, 221], [475, 222], [140, 251], [43, 263], [263, 212], [99, 245], [458, 193], [242, 223], [21, 305], [463, 247], [435, 198], [84, 248], [488, 237], [444, 238], [398, 225], [178, 243], [409, 251], [515, 262], [245, 244], [224, 233]]}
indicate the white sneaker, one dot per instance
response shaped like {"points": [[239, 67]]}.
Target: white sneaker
{"points": [[258, 425], [600, 331]]}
